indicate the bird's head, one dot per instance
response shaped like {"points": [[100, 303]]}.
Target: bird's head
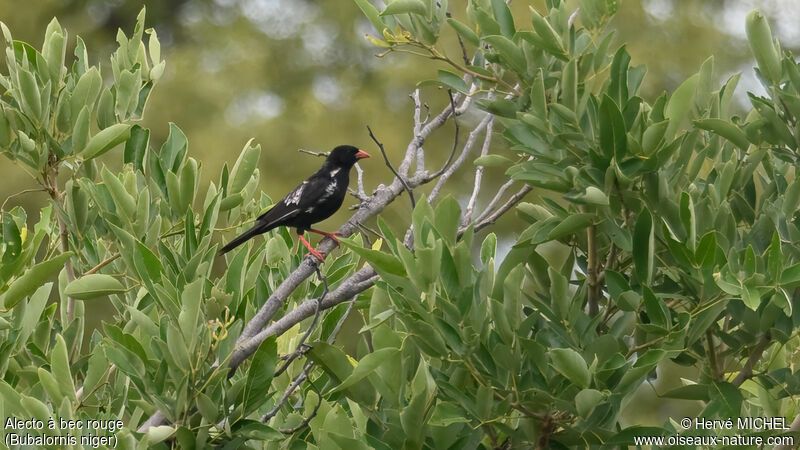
{"points": [[346, 156]]}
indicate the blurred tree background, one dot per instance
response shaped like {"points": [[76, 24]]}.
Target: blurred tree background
{"points": [[299, 73]]}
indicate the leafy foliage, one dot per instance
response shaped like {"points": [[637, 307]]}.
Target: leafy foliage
{"points": [[671, 229]]}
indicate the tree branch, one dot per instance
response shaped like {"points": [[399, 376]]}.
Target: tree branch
{"points": [[389, 165], [476, 185], [448, 170], [382, 196], [755, 354], [489, 219], [592, 271]]}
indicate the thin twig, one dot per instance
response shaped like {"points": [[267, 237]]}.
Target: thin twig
{"points": [[307, 367], [491, 218], [449, 169], [496, 199], [476, 185], [418, 121], [389, 165], [288, 392], [340, 323], [592, 271], [446, 165], [310, 417], [102, 264], [312, 152], [17, 194]]}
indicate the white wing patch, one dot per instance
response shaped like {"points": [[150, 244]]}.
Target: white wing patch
{"points": [[294, 197], [335, 171], [330, 188]]}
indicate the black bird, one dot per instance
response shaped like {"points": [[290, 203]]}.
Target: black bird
{"points": [[312, 201]]}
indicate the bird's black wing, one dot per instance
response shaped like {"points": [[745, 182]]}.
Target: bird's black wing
{"points": [[284, 212]]}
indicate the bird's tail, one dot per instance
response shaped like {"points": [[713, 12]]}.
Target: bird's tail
{"points": [[241, 239]]}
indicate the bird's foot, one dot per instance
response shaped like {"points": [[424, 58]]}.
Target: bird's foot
{"points": [[325, 233], [311, 250], [317, 254]]}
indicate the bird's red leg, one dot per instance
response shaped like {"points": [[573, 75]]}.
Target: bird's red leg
{"points": [[325, 233], [311, 250]]}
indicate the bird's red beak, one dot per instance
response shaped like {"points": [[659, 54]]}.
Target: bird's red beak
{"points": [[362, 154]]}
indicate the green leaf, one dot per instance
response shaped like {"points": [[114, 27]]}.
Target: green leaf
{"points": [[372, 14], [258, 431], [569, 84], [688, 220], [105, 109], [653, 136], [158, 434], [36, 408], [59, 364], [174, 149], [616, 284], [725, 129], [644, 247], [492, 161], [629, 301], [94, 285], [453, 81], [207, 407], [689, 392], [613, 138], [587, 400], [331, 359], [381, 261], [136, 147], [509, 52], [446, 218], [548, 37], [791, 198], [366, 366], [80, 132], [591, 196], [244, 167], [86, 91], [559, 292], [760, 37], [32, 280], [259, 375], [188, 319], [571, 224], [127, 361], [30, 94], [679, 104], [463, 30], [123, 200], [706, 250], [657, 310], [405, 6], [504, 18], [105, 140], [50, 385], [571, 364], [5, 129]]}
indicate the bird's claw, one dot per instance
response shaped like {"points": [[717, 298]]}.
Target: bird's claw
{"points": [[317, 254]]}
